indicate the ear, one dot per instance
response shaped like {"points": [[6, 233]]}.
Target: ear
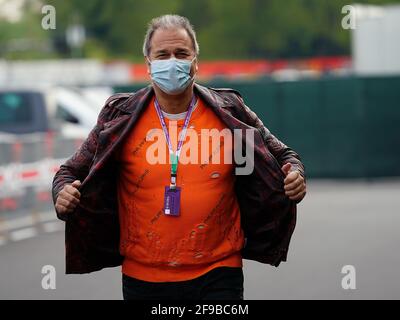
{"points": [[196, 65], [147, 62]]}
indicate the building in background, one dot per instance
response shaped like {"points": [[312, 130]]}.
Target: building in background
{"points": [[376, 40]]}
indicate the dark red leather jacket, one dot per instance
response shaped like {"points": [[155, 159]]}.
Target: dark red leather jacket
{"points": [[92, 230]]}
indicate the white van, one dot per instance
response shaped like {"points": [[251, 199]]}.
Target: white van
{"points": [[24, 111]]}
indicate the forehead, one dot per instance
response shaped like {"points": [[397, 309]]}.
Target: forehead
{"points": [[170, 40]]}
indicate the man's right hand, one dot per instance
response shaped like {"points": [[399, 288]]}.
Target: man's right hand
{"points": [[68, 198]]}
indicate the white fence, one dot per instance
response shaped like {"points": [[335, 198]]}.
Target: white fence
{"points": [[27, 167]]}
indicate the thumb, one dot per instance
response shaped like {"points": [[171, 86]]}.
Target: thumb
{"points": [[286, 168], [76, 184]]}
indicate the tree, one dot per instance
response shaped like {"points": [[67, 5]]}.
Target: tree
{"points": [[226, 29]]}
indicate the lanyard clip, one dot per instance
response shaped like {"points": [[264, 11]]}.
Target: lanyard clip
{"points": [[173, 181]]}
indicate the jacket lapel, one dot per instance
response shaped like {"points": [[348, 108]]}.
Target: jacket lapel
{"points": [[231, 116], [115, 131], [223, 109]]}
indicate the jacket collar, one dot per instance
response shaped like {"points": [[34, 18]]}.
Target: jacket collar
{"points": [[137, 101], [212, 97], [141, 98]]}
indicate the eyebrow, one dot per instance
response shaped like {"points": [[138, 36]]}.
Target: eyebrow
{"points": [[162, 51], [178, 50]]}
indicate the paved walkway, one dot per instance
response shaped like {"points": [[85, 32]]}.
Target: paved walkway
{"points": [[340, 223]]}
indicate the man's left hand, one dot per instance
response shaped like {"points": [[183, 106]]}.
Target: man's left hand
{"points": [[295, 185]]}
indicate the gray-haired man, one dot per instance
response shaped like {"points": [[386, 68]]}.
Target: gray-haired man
{"points": [[179, 229]]}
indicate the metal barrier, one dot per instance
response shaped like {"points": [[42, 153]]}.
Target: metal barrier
{"points": [[27, 167]]}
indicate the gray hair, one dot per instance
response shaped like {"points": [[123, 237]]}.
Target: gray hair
{"points": [[169, 21]]}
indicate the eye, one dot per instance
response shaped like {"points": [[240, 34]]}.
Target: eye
{"points": [[161, 56], [182, 55]]}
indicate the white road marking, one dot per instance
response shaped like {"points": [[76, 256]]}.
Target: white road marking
{"points": [[48, 216], [27, 227], [16, 223], [53, 226], [25, 222], [23, 234]]}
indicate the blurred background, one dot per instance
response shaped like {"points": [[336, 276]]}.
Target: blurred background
{"points": [[324, 76]]}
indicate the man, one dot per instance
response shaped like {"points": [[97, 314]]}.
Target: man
{"points": [[179, 228]]}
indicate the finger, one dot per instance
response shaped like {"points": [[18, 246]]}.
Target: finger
{"points": [[76, 184], [294, 184], [63, 202], [66, 195], [292, 177], [298, 197], [73, 191], [296, 191], [286, 168], [67, 204], [70, 198], [61, 209]]}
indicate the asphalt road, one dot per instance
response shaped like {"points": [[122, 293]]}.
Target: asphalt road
{"points": [[339, 223]]}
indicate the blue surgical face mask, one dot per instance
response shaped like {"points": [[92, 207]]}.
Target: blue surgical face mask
{"points": [[172, 76]]}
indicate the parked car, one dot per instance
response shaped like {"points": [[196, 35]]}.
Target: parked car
{"points": [[24, 111]]}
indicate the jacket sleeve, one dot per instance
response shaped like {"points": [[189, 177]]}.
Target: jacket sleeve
{"points": [[278, 149], [77, 167]]}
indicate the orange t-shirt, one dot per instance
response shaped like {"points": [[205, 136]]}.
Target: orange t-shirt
{"points": [[207, 234]]}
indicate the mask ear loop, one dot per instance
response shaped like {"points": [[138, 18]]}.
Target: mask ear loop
{"points": [[192, 77], [149, 62]]}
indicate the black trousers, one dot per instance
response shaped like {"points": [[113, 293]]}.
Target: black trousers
{"points": [[223, 283]]}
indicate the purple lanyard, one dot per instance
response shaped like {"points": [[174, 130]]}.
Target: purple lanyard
{"points": [[184, 129]]}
